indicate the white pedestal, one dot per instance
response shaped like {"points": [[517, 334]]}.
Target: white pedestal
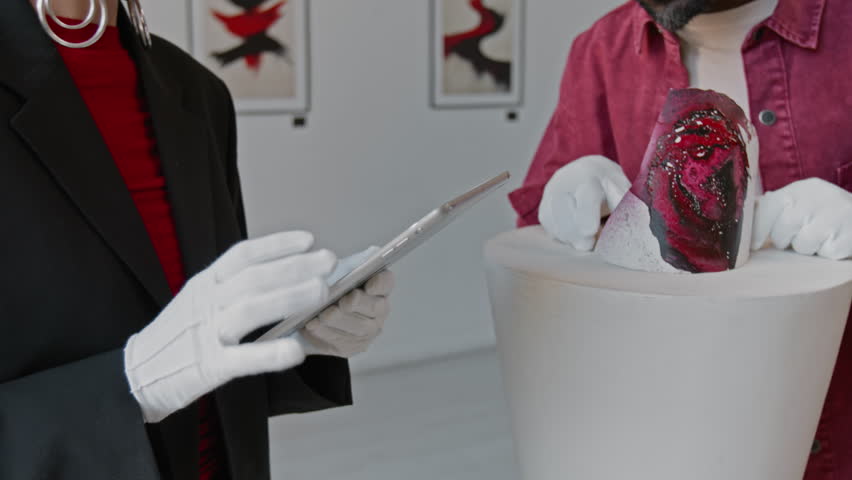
{"points": [[614, 374]]}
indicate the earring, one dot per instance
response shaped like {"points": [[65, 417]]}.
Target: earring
{"points": [[44, 10], [69, 26], [137, 18]]}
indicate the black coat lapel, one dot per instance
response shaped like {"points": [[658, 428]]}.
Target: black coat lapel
{"points": [[184, 147], [183, 143], [56, 124], [187, 156]]}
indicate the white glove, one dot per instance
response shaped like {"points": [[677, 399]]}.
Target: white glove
{"points": [[577, 196], [193, 347], [346, 265], [812, 215], [350, 326]]}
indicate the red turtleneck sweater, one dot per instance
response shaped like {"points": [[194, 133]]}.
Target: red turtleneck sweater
{"points": [[109, 83]]}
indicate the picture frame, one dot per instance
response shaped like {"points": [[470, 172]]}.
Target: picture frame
{"points": [[259, 48], [476, 53]]}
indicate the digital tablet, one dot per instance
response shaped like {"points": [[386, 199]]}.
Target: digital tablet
{"points": [[397, 248]]}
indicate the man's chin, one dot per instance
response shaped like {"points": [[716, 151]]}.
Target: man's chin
{"points": [[674, 14]]}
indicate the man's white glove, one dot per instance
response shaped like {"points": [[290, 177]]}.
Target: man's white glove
{"points": [[193, 347], [577, 196], [812, 215], [350, 326]]}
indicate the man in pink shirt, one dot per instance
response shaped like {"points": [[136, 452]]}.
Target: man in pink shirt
{"points": [[786, 62]]}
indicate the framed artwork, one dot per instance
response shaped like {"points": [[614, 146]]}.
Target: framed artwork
{"points": [[259, 48], [477, 53]]}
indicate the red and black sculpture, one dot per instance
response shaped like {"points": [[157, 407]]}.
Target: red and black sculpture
{"points": [[694, 192]]}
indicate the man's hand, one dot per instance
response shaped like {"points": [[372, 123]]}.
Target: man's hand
{"points": [[577, 196], [812, 215]]}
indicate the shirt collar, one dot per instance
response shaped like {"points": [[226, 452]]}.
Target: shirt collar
{"points": [[644, 27], [797, 21]]}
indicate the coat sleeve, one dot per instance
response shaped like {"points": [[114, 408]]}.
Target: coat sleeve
{"points": [[579, 126], [319, 383], [74, 421]]}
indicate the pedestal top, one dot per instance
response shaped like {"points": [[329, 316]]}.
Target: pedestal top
{"points": [[768, 273]]}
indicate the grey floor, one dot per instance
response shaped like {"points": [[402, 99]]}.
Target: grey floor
{"points": [[444, 419]]}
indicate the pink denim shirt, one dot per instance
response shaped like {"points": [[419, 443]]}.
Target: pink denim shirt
{"points": [[798, 66]]}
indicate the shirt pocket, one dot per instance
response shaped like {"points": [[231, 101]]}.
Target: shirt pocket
{"points": [[844, 176]]}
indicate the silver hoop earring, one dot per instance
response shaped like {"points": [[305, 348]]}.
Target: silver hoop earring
{"points": [[44, 10], [90, 16], [137, 18]]}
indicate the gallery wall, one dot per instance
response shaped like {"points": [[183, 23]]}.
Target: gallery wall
{"points": [[373, 156]]}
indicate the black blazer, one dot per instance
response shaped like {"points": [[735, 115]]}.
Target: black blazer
{"points": [[78, 274]]}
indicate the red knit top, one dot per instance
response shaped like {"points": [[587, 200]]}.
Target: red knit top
{"points": [[109, 83]]}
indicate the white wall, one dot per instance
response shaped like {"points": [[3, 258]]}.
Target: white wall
{"points": [[374, 157]]}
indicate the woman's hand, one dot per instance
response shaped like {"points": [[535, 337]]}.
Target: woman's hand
{"points": [[193, 346], [350, 326]]}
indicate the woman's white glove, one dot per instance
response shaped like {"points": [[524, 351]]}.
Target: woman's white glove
{"points": [[812, 215], [576, 198], [346, 265], [350, 326], [193, 346]]}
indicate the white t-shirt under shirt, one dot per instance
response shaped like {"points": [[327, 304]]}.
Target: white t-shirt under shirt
{"points": [[711, 48]]}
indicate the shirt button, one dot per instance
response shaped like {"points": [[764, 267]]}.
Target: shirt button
{"points": [[816, 447], [768, 118]]}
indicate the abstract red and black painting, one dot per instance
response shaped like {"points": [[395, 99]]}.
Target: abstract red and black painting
{"points": [[476, 50], [258, 47]]}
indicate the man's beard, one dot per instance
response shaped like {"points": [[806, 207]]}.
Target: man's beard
{"points": [[674, 14]]}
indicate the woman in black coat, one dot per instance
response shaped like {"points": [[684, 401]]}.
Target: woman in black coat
{"points": [[118, 183]]}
